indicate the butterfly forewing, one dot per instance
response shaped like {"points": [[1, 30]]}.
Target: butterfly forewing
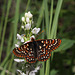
{"points": [[45, 48], [27, 51]]}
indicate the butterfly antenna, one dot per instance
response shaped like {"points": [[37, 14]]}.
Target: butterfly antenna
{"points": [[40, 33]]}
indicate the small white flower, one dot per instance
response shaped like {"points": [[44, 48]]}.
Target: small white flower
{"points": [[18, 37], [37, 68], [26, 14], [21, 73], [23, 18], [27, 20], [32, 37], [22, 27], [34, 71], [22, 40], [19, 60], [31, 73], [28, 26], [16, 45], [29, 15], [35, 30]]}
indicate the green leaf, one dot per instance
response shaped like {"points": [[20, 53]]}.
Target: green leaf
{"points": [[65, 44], [53, 72]]}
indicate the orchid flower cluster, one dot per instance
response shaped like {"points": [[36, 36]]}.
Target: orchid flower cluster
{"points": [[27, 22]]}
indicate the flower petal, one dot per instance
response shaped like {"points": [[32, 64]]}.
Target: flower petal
{"points": [[16, 45], [27, 20], [23, 18], [19, 60], [28, 26], [35, 30], [18, 36], [22, 27], [22, 40]]}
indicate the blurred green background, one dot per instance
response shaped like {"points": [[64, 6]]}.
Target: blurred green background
{"points": [[11, 11]]}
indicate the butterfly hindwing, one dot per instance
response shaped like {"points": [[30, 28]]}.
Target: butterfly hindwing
{"points": [[45, 48], [26, 51], [30, 57]]}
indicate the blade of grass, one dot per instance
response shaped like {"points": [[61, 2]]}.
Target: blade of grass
{"points": [[5, 24], [27, 5], [10, 63], [5, 60], [9, 41], [46, 16], [2, 18], [51, 14], [56, 18], [16, 19], [47, 71], [40, 15], [3, 71]]}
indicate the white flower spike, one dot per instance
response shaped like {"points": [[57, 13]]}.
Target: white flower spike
{"points": [[35, 30], [28, 26]]}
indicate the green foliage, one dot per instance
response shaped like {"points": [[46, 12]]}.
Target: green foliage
{"points": [[53, 72], [65, 44]]}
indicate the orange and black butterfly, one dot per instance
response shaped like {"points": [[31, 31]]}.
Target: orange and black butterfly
{"points": [[37, 49]]}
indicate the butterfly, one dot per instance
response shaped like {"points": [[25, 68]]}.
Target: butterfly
{"points": [[37, 49]]}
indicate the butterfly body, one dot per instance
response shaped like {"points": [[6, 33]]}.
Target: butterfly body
{"points": [[37, 49]]}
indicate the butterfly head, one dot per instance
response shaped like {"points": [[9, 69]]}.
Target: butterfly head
{"points": [[32, 38]]}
